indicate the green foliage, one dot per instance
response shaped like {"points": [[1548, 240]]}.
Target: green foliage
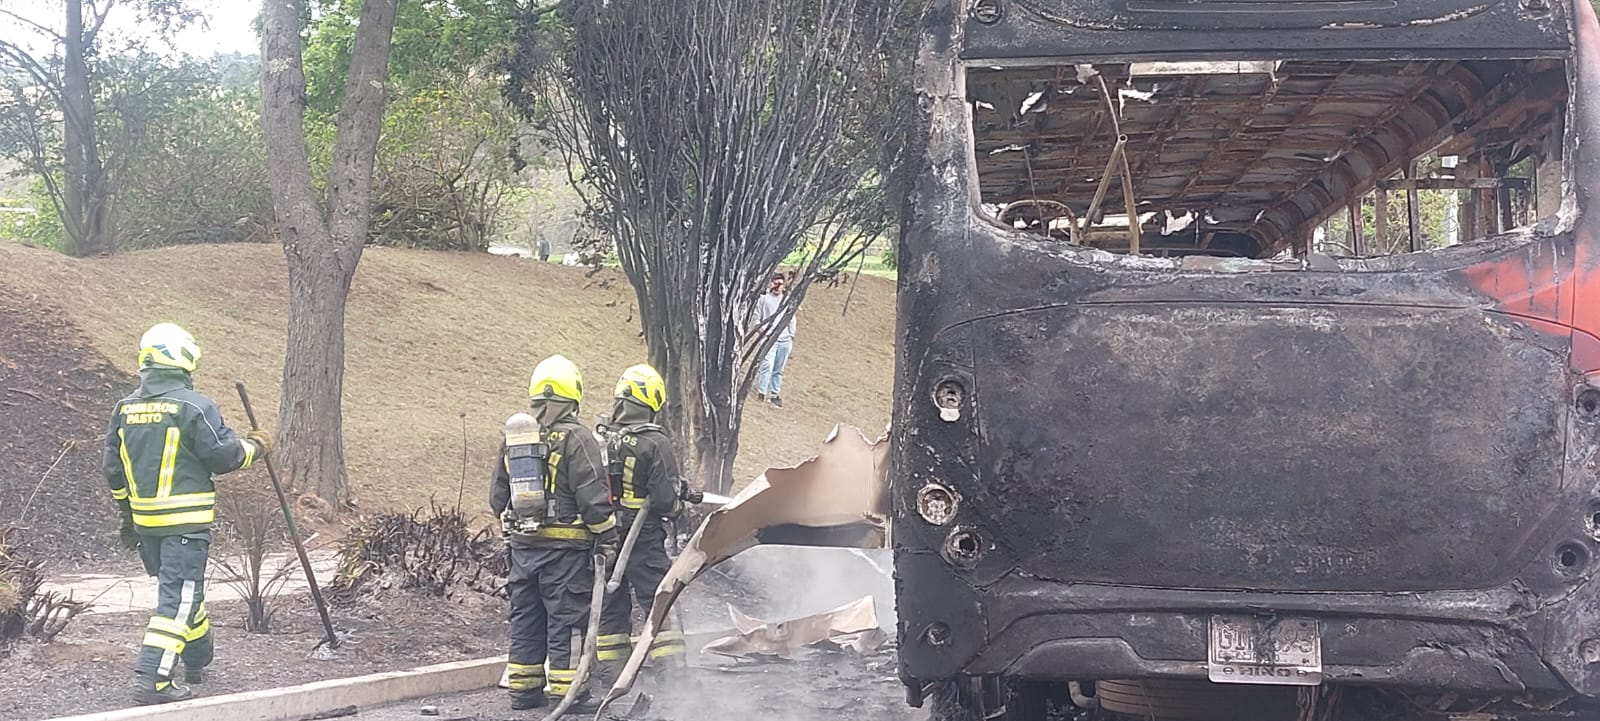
{"points": [[180, 142], [436, 42], [200, 174], [63, 65], [1434, 215], [182, 139], [30, 141], [445, 163], [444, 167], [41, 228]]}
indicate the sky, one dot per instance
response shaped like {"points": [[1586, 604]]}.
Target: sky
{"points": [[226, 30], [225, 26]]}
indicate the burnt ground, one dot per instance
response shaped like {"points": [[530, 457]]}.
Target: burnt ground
{"points": [[821, 688], [816, 687], [55, 397], [89, 667]]}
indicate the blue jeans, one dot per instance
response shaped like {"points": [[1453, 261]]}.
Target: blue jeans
{"points": [[771, 379]]}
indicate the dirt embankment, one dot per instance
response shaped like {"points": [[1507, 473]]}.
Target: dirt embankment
{"points": [[430, 336], [55, 397]]}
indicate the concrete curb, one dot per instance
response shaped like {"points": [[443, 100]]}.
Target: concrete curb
{"points": [[294, 703]]}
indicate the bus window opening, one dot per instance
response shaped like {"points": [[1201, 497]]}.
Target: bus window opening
{"points": [[1261, 158]]}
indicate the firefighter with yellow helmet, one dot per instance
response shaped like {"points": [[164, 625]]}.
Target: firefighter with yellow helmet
{"points": [[165, 443], [645, 479], [549, 490]]}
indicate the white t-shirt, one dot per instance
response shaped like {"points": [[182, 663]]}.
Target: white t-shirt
{"points": [[767, 307]]}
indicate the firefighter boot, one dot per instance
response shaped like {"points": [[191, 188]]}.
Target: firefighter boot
{"points": [[586, 705], [606, 674], [194, 675], [149, 691], [524, 700]]}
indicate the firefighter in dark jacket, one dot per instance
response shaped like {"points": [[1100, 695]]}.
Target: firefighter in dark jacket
{"points": [[645, 479], [165, 443], [549, 490]]}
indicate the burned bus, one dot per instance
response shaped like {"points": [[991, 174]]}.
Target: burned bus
{"points": [[1249, 360]]}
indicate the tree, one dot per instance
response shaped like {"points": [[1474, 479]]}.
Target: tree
{"points": [[714, 138], [436, 42], [61, 65], [445, 167], [322, 241], [199, 172], [445, 163]]}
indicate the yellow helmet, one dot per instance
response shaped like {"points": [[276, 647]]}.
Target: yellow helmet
{"points": [[556, 377], [166, 344], [643, 384]]}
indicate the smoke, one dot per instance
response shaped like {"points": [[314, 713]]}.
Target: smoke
{"points": [[779, 583], [793, 581]]}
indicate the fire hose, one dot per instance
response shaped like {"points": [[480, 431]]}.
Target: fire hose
{"points": [[650, 628], [591, 637]]}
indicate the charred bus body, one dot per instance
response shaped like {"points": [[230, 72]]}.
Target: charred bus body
{"points": [[1156, 423]]}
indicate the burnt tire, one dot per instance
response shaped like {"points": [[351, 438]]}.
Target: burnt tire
{"points": [[946, 702], [996, 699], [1183, 700], [950, 701]]}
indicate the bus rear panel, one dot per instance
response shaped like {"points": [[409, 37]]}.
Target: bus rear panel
{"points": [[1247, 341]]}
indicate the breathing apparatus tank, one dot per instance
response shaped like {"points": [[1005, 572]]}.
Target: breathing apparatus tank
{"points": [[526, 452]]}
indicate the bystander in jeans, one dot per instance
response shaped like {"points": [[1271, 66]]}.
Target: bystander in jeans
{"points": [[769, 385]]}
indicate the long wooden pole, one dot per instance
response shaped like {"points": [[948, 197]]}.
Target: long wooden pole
{"points": [[294, 531], [591, 639]]}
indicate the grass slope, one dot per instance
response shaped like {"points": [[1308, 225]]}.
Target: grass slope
{"points": [[433, 335]]}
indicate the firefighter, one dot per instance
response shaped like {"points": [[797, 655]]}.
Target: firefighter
{"points": [[645, 479], [549, 490], [165, 443]]}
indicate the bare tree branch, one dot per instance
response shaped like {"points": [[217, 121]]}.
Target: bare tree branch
{"points": [[91, 32], [36, 70], [359, 124], [712, 139], [50, 32]]}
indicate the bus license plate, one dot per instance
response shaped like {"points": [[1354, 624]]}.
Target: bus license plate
{"points": [[1264, 650]]}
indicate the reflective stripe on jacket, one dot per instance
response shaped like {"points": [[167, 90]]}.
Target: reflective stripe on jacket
{"points": [[644, 470], [163, 446], [575, 477]]}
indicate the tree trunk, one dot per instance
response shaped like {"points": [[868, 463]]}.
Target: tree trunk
{"points": [[702, 411], [322, 251], [83, 195], [710, 421], [311, 410]]}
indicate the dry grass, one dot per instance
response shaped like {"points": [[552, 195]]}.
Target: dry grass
{"points": [[432, 335]]}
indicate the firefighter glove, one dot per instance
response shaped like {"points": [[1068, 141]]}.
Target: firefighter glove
{"points": [[262, 441], [688, 494], [608, 544], [128, 534]]}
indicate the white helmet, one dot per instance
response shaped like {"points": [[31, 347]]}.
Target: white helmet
{"points": [[166, 344]]}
